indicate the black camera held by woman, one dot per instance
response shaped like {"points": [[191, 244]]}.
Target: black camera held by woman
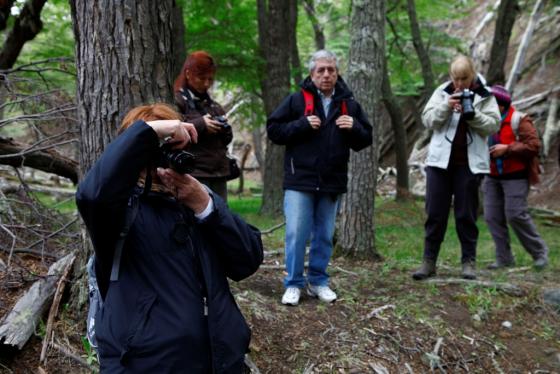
{"points": [[467, 97], [223, 122], [179, 160]]}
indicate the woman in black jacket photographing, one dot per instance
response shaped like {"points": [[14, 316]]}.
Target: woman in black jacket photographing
{"points": [[171, 309]]}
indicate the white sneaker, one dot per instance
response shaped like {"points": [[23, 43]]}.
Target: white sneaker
{"points": [[291, 296], [324, 293]]}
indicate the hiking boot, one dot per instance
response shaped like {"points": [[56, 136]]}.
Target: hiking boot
{"points": [[540, 263], [324, 293], [427, 269], [469, 271], [291, 296], [500, 265]]}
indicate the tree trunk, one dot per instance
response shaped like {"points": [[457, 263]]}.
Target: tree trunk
{"points": [[26, 26], [365, 76], [498, 53], [274, 41], [399, 133], [520, 55], [294, 51], [124, 58], [317, 26], [423, 56]]}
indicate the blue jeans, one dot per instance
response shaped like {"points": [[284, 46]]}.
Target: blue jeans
{"points": [[308, 213]]}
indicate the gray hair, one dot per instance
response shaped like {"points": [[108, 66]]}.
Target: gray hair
{"points": [[322, 54]]}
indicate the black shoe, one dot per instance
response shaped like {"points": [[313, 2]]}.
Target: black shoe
{"points": [[469, 271], [427, 269]]}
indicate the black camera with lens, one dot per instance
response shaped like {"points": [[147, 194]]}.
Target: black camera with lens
{"points": [[223, 122], [179, 160], [467, 98]]}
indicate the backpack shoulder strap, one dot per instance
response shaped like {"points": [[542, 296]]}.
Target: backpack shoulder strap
{"points": [[308, 99], [343, 108], [515, 121], [131, 213]]}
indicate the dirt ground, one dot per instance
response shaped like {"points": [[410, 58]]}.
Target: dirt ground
{"points": [[381, 320]]}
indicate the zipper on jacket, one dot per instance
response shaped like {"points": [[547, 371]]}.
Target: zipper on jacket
{"points": [[292, 164], [205, 303]]}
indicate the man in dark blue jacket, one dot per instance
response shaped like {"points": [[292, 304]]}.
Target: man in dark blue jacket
{"points": [[318, 125], [171, 309]]}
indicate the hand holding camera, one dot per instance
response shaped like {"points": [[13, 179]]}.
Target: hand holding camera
{"points": [[462, 102], [216, 124], [186, 189]]}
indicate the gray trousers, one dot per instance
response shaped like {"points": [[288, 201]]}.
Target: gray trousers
{"points": [[505, 201]]}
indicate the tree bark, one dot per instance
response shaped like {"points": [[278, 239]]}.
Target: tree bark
{"points": [[317, 26], [507, 12], [26, 26], [48, 160], [399, 133], [124, 58], [365, 76], [423, 56], [294, 51], [274, 41], [522, 50], [5, 11]]}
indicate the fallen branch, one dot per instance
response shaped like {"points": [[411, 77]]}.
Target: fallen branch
{"points": [[19, 324], [54, 309], [376, 311], [507, 288], [273, 228], [68, 353]]}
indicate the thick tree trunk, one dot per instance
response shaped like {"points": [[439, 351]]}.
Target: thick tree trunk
{"points": [[274, 40], [317, 26], [294, 51], [124, 58], [365, 76], [423, 56], [399, 134], [507, 12]]}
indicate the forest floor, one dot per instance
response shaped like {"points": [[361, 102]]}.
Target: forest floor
{"points": [[382, 320]]}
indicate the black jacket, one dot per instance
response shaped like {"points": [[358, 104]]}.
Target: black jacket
{"points": [[317, 160], [153, 319], [211, 149]]}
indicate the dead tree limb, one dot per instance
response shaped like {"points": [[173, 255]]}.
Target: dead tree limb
{"points": [[552, 125], [15, 154], [522, 50], [54, 309], [19, 324]]}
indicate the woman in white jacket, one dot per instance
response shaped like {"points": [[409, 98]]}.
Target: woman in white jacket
{"points": [[457, 157]]}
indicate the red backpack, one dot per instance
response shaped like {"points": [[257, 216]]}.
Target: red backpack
{"points": [[309, 104]]}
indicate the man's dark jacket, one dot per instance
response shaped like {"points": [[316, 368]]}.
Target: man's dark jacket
{"points": [[317, 160], [153, 319]]}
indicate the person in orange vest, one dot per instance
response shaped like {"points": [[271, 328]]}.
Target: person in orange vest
{"points": [[514, 165]]}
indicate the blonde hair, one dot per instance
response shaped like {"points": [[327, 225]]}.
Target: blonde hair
{"points": [[152, 112], [461, 66]]}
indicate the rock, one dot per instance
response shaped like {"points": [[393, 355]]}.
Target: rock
{"points": [[552, 297], [477, 318], [506, 324]]}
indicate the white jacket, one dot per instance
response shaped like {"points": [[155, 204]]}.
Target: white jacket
{"points": [[439, 117]]}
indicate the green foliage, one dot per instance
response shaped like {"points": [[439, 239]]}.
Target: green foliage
{"points": [[55, 41], [90, 355]]}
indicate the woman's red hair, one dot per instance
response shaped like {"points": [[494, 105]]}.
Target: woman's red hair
{"points": [[198, 62], [153, 112]]}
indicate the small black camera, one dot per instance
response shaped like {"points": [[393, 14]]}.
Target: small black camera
{"points": [[179, 160], [223, 122], [467, 98]]}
